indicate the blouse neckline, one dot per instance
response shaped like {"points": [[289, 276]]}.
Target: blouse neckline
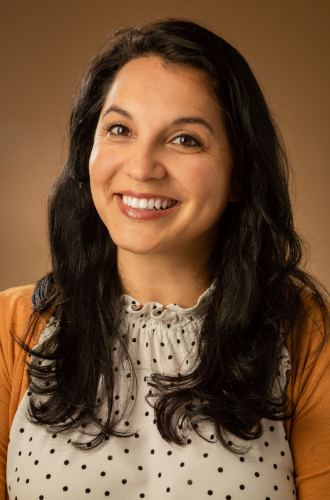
{"points": [[157, 311]]}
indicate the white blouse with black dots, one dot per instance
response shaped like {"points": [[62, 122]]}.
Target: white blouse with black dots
{"points": [[45, 466]]}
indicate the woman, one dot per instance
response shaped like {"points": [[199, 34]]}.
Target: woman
{"points": [[164, 368]]}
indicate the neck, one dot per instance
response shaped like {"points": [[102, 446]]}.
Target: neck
{"points": [[177, 278]]}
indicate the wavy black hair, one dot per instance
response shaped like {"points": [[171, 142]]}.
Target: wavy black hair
{"points": [[256, 266]]}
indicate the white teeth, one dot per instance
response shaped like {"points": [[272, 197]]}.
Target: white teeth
{"points": [[135, 203], [144, 204]]}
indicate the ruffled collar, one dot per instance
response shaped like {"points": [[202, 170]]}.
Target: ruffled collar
{"points": [[158, 312]]}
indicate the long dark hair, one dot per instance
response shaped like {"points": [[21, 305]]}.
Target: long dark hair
{"points": [[256, 266]]}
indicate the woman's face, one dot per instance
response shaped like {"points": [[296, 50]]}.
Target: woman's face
{"points": [[160, 135]]}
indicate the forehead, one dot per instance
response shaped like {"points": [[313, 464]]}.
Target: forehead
{"points": [[155, 83]]}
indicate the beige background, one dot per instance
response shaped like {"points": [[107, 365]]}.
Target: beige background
{"points": [[45, 44]]}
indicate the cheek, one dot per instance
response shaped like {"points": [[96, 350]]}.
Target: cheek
{"points": [[100, 174], [100, 167], [209, 187]]}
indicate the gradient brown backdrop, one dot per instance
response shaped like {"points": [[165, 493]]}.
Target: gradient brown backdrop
{"points": [[45, 44]]}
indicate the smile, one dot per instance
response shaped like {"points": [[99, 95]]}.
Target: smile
{"points": [[145, 213], [145, 204]]}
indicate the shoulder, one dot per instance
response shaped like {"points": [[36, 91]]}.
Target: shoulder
{"points": [[310, 351], [15, 295], [314, 333], [15, 305], [15, 311]]}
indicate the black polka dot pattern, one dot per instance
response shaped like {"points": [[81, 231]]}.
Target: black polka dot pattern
{"points": [[46, 466]]}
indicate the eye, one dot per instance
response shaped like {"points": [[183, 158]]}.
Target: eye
{"points": [[186, 140], [120, 129]]}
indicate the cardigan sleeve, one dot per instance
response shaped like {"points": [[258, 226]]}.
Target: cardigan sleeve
{"points": [[15, 310], [308, 431]]}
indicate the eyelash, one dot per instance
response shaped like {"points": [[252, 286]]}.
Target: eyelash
{"points": [[118, 124]]}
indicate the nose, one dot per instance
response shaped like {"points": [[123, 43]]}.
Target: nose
{"points": [[144, 162]]}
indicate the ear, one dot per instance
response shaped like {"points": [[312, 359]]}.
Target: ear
{"points": [[236, 191]]}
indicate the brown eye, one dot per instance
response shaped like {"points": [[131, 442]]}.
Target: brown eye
{"points": [[121, 129], [187, 141]]}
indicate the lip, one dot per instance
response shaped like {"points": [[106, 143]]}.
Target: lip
{"points": [[140, 214], [140, 196]]}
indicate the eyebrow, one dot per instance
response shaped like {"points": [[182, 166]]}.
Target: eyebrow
{"points": [[179, 121]]}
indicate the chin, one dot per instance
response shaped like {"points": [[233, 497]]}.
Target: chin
{"points": [[131, 244], [138, 250]]}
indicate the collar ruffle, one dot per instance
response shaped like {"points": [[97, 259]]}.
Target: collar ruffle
{"points": [[158, 312]]}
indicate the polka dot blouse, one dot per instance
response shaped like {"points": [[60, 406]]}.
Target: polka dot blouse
{"points": [[45, 466]]}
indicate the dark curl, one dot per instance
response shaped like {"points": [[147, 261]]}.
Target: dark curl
{"points": [[256, 264]]}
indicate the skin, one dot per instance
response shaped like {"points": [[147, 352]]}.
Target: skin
{"points": [[162, 260]]}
